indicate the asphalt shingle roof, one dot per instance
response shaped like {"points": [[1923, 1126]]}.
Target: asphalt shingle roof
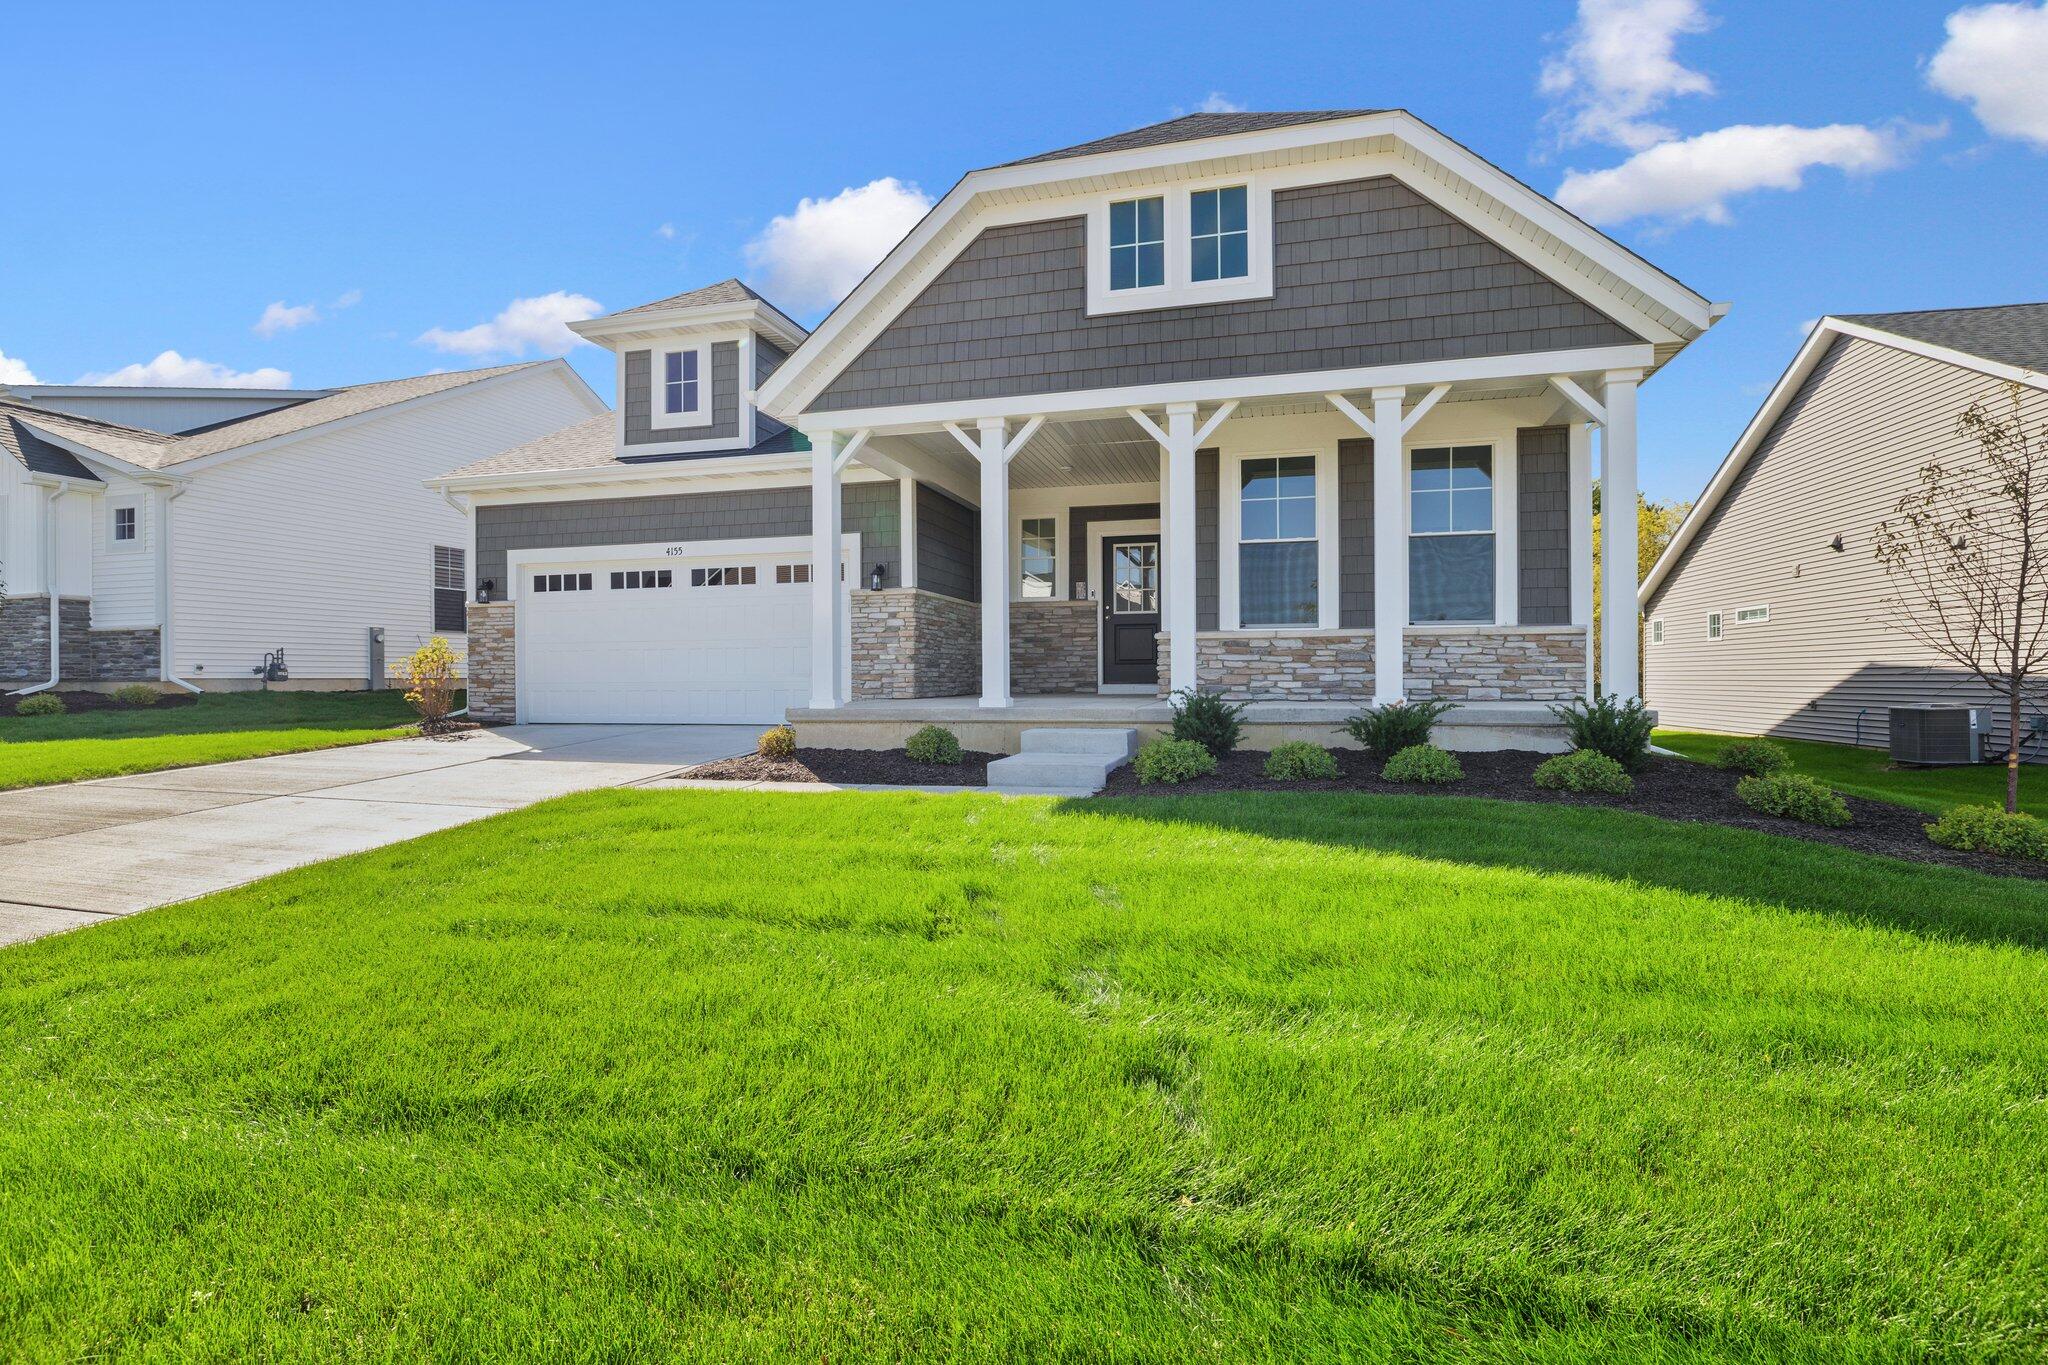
{"points": [[2009, 333], [589, 445], [725, 291], [42, 457], [1191, 127]]}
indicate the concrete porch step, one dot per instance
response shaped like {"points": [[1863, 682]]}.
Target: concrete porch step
{"points": [[1063, 760], [1075, 739]]}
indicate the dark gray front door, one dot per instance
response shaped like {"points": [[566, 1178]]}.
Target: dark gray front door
{"points": [[1130, 609]]}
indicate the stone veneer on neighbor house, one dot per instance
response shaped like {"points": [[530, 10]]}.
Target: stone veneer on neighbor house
{"points": [[493, 694], [88, 655], [908, 642], [1053, 647], [1491, 663]]}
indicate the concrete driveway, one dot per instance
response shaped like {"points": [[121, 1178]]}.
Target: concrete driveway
{"points": [[71, 855]]}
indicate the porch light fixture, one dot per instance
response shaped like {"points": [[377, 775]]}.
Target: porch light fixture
{"points": [[483, 591], [875, 579]]}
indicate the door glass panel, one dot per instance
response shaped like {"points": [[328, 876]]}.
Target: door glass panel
{"points": [[1134, 572]]}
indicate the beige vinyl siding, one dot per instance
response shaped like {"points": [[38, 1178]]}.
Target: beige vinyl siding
{"points": [[1836, 463]]}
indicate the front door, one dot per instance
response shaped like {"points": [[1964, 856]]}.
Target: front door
{"points": [[1130, 609]]}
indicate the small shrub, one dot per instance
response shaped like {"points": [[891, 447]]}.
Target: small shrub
{"points": [[1757, 757], [1423, 763], [1300, 761], [1987, 829], [430, 682], [1607, 726], [136, 694], [41, 704], [933, 744], [1792, 797], [1173, 761], [779, 742], [1384, 731], [1584, 770], [1208, 720]]}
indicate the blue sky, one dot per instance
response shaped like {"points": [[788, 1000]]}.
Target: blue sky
{"points": [[394, 178]]}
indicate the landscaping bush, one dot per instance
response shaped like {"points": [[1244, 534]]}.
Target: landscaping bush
{"points": [[1757, 757], [779, 742], [1208, 720], [1792, 797], [136, 694], [1584, 770], [41, 704], [1173, 761], [1300, 761], [430, 682], [1423, 763], [1606, 726], [1384, 731], [933, 744], [1987, 829]]}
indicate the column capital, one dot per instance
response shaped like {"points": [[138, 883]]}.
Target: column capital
{"points": [[1622, 377], [995, 424], [1390, 393], [1181, 409]]}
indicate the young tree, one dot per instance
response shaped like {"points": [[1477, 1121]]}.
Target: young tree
{"points": [[1965, 551]]}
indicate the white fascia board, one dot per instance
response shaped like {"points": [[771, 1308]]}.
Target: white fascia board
{"points": [[544, 489], [34, 391], [749, 316], [100, 459], [1536, 366], [783, 394]]}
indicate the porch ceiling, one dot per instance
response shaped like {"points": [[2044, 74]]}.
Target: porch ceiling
{"points": [[1095, 450]]}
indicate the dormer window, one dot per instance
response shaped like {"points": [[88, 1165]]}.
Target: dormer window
{"points": [[1186, 245], [1137, 243], [682, 383], [1219, 234]]}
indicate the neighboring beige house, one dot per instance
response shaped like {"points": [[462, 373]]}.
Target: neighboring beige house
{"points": [[1766, 615]]}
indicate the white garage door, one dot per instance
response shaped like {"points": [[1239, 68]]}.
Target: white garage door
{"points": [[666, 641]]}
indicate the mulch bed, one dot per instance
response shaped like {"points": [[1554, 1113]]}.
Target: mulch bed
{"points": [[1671, 788], [892, 767], [75, 702]]}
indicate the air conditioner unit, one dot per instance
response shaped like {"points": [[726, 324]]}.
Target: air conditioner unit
{"points": [[1934, 735]]}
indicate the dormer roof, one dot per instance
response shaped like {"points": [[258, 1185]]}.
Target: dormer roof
{"points": [[718, 307]]}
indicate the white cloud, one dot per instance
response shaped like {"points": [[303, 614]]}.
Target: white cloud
{"points": [[813, 256], [667, 231], [1693, 179], [1996, 61], [537, 324], [348, 300], [1216, 102], [14, 371], [171, 370], [1806, 327], [1618, 67], [283, 317]]}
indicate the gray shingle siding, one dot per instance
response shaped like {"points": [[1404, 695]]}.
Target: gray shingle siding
{"points": [[1366, 272], [1207, 593], [1078, 521], [1543, 534], [1354, 535], [872, 509], [725, 400], [768, 359], [948, 545]]}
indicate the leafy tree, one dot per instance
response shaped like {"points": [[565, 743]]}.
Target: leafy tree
{"points": [[1965, 552], [1656, 523]]}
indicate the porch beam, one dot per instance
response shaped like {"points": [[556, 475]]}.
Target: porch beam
{"points": [[1179, 444], [1579, 398], [1618, 631], [995, 560], [852, 448], [1216, 419], [1389, 546], [970, 444], [1421, 410], [1015, 444], [1139, 416], [827, 642]]}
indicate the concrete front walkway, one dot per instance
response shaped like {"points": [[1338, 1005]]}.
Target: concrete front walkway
{"points": [[71, 855]]}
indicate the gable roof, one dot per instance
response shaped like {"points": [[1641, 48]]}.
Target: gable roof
{"points": [[1190, 128], [1995, 341], [592, 444], [725, 291], [25, 429], [151, 450]]}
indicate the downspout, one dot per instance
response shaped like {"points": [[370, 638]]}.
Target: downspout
{"points": [[50, 497], [166, 494]]}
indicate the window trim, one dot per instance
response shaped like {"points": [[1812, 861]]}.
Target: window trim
{"points": [[116, 506], [1181, 289], [1656, 630], [1230, 525], [1714, 626], [659, 418], [1165, 253], [1753, 616], [1506, 549]]}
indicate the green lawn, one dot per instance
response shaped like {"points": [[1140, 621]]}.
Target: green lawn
{"points": [[1868, 773], [648, 1075], [35, 751]]}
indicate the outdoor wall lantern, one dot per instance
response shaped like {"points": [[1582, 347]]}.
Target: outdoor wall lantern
{"points": [[875, 579], [483, 592]]}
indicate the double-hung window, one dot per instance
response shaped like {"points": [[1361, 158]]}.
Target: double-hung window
{"points": [[1276, 542], [682, 383], [1137, 243], [1450, 534], [1219, 234], [1038, 567]]}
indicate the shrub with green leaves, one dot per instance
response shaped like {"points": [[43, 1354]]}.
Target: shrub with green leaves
{"points": [[1300, 761], [1607, 725], [1757, 757], [1584, 770], [778, 742], [1792, 797], [41, 704], [933, 744], [1208, 720], [1987, 829], [1423, 763], [136, 694], [1173, 761], [1384, 731]]}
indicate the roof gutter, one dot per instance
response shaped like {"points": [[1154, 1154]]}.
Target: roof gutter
{"points": [[51, 493], [167, 493]]}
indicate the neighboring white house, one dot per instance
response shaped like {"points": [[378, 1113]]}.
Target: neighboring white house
{"points": [[192, 533]]}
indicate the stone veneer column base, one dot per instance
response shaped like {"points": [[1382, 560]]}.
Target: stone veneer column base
{"points": [[1485, 663], [1053, 647], [88, 655], [493, 674], [24, 640], [908, 642]]}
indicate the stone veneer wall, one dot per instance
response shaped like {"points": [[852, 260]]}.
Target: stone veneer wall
{"points": [[1491, 663], [493, 684], [25, 639], [1052, 647], [88, 655], [911, 643]]}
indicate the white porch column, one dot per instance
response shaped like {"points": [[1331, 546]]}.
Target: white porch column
{"points": [[1579, 482], [1180, 563], [827, 643], [906, 505], [1389, 548], [1618, 537], [995, 562]]}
